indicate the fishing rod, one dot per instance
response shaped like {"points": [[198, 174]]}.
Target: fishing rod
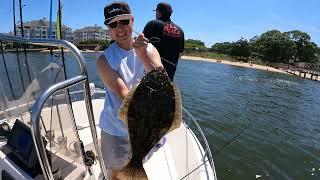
{"points": [[24, 47], [50, 27], [15, 34], [59, 30], [25, 58], [14, 17], [70, 108]]}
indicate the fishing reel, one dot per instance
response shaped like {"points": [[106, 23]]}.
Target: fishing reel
{"points": [[4, 131]]}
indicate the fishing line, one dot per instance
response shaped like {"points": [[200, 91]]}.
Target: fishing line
{"points": [[151, 40], [156, 40], [233, 139], [227, 144]]}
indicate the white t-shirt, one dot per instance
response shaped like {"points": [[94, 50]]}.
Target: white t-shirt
{"points": [[131, 70]]}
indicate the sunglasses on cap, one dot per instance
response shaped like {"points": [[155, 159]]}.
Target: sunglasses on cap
{"points": [[122, 22]]}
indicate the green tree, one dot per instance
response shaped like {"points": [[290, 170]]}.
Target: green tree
{"points": [[241, 49], [192, 45], [318, 55], [274, 46], [223, 48], [305, 49]]}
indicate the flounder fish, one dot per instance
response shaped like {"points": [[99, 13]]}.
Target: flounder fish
{"points": [[150, 110]]}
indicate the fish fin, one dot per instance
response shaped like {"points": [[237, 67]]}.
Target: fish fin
{"points": [[131, 173], [123, 111], [178, 110]]}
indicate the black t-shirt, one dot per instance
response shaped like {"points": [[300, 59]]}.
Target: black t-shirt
{"points": [[168, 38]]}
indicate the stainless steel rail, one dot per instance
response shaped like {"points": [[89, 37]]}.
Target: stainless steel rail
{"points": [[35, 126], [36, 109], [207, 150], [50, 42]]}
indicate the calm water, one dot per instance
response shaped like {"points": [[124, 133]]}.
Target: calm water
{"points": [[282, 141]]}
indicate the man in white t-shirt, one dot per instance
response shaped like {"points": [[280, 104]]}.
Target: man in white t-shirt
{"points": [[120, 67]]}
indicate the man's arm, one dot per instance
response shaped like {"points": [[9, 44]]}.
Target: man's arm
{"points": [[111, 78]]}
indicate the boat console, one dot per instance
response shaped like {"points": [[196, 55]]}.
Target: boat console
{"points": [[18, 157]]}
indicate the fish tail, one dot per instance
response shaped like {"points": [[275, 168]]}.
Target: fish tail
{"points": [[132, 173]]}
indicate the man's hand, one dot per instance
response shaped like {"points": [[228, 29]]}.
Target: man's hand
{"points": [[148, 54], [140, 45]]}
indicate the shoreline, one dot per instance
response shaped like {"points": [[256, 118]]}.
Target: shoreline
{"points": [[254, 66], [197, 58], [240, 64]]}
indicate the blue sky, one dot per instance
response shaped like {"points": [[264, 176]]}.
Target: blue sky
{"points": [[210, 21]]}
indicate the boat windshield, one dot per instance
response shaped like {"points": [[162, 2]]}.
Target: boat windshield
{"points": [[23, 79]]}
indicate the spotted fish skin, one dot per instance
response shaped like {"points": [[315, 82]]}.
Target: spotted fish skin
{"points": [[150, 110]]}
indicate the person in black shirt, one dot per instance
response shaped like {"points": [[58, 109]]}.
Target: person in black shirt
{"points": [[166, 36]]}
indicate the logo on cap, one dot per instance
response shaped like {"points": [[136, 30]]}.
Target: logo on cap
{"points": [[115, 10]]}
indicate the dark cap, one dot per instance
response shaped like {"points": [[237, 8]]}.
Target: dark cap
{"points": [[116, 11], [164, 8]]}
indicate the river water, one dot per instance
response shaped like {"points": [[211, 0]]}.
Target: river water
{"points": [[258, 123]]}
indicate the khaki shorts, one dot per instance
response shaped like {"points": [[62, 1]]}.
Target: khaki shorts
{"points": [[116, 151]]}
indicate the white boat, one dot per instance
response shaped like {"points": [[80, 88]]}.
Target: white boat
{"points": [[62, 141]]}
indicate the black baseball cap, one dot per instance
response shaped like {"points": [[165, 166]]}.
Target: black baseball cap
{"points": [[116, 11], [164, 8]]}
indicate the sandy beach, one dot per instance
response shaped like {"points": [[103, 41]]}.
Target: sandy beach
{"points": [[248, 65], [242, 64]]}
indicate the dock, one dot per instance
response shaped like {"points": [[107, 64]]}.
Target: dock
{"points": [[308, 72]]}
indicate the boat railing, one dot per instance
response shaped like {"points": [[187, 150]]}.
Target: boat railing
{"points": [[197, 131], [41, 100], [97, 91]]}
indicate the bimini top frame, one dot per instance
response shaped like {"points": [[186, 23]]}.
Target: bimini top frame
{"points": [[37, 107]]}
